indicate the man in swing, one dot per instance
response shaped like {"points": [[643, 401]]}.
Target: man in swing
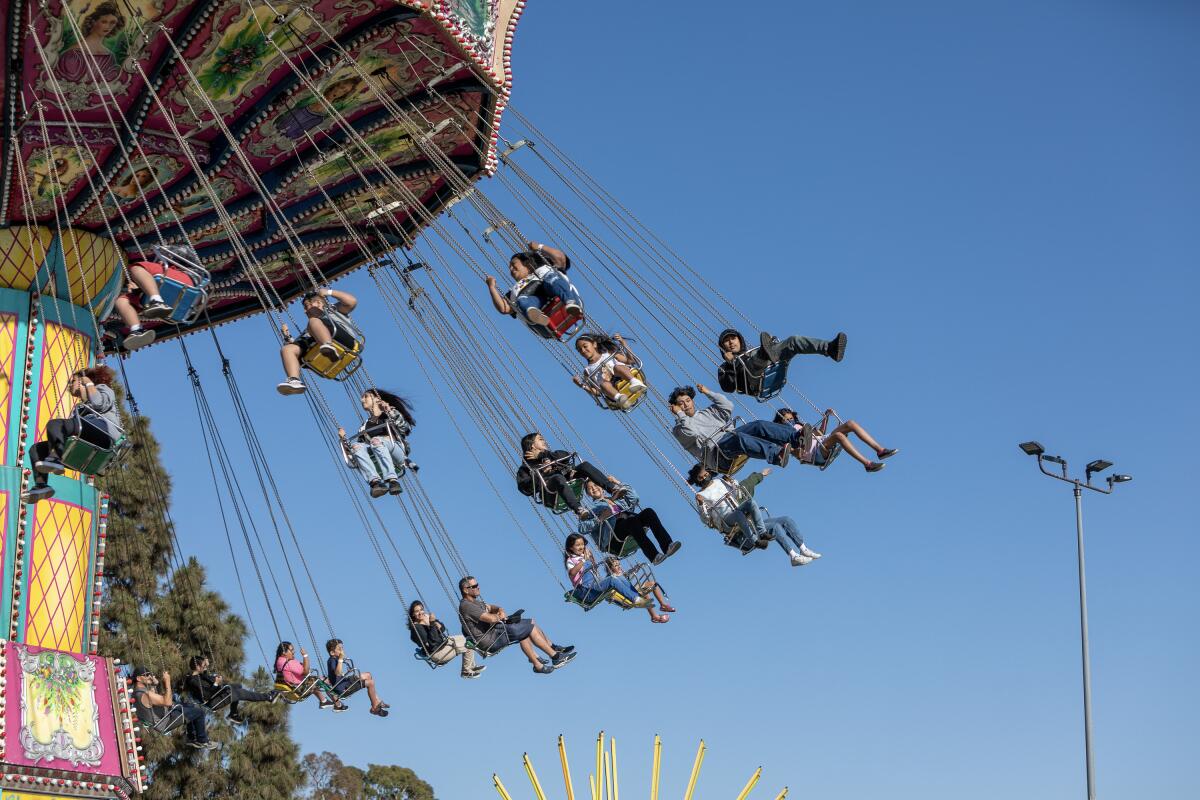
{"points": [[151, 704], [326, 324], [707, 433], [491, 628], [743, 368]]}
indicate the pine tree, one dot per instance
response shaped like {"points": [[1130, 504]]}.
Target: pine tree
{"points": [[328, 778], [158, 617]]}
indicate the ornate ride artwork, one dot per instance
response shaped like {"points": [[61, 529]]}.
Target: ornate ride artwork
{"points": [[59, 555], [59, 715]]}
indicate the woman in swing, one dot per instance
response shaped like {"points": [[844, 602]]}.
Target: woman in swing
{"points": [[609, 359], [816, 449], [540, 276], [383, 435], [580, 562], [96, 420], [290, 671]]}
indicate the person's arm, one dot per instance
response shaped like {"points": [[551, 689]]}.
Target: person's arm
{"points": [[167, 696], [719, 400], [346, 302], [499, 302], [575, 569], [630, 498], [336, 672], [554, 254], [825, 421], [752, 480], [419, 635]]}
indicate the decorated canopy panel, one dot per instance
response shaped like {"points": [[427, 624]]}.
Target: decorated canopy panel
{"points": [[274, 137]]}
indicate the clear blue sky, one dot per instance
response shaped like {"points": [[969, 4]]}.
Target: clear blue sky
{"points": [[999, 204]]}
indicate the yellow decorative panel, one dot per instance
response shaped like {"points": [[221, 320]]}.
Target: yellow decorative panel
{"points": [[8, 365], [22, 251], [58, 564], [64, 351], [90, 261]]}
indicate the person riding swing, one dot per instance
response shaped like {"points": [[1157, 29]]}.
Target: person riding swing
{"points": [[326, 325], [540, 291]]}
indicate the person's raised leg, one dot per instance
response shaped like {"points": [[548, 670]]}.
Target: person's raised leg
{"points": [[126, 312], [850, 426], [290, 355], [369, 681], [530, 653], [741, 443], [383, 456], [844, 440], [541, 641], [648, 518], [319, 331]]}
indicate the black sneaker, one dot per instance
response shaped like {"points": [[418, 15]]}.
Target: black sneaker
{"points": [[394, 487], [564, 649], [328, 350], [544, 669], [203, 745], [561, 660], [39, 491], [769, 345], [378, 488], [156, 309], [237, 718], [275, 695], [837, 348], [339, 707], [50, 466], [323, 704]]}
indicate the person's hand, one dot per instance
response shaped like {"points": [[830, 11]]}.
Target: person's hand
{"points": [[166, 675], [701, 388], [341, 433], [618, 338], [216, 679], [284, 330], [533, 245], [303, 653], [490, 280], [728, 356], [765, 472], [674, 407], [829, 412], [430, 616], [501, 613], [578, 380]]}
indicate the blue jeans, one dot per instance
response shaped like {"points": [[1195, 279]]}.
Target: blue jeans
{"points": [[786, 533], [390, 455], [556, 284], [748, 518], [591, 589], [758, 439]]}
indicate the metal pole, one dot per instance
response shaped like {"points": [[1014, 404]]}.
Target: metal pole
{"points": [[1083, 635]]}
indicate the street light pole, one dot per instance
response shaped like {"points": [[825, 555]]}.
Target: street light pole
{"points": [[1099, 465], [1083, 638]]}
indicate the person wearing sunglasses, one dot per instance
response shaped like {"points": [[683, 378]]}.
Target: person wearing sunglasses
{"points": [[492, 629]]}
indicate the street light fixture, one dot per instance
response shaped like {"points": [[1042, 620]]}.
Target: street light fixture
{"points": [[1099, 465]]}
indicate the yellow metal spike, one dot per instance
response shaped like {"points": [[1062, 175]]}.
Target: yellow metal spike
{"points": [[750, 784], [616, 783], [691, 787], [782, 794], [608, 785], [533, 778], [654, 772], [598, 794], [566, 768], [592, 783], [500, 787]]}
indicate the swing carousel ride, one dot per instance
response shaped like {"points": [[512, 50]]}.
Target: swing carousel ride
{"points": [[259, 151]]}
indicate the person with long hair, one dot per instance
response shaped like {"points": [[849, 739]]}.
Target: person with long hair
{"points": [[429, 634], [608, 360], [96, 420], [539, 276], [588, 588], [292, 671], [379, 450], [818, 441]]}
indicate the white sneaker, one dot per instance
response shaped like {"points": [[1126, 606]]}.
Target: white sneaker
{"points": [[537, 316], [621, 401], [138, 339], [804, 551], [291, 386], [799, 560], [635, 385]]}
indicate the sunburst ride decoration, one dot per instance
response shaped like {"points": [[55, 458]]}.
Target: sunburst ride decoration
{"points": [[604, 784]]}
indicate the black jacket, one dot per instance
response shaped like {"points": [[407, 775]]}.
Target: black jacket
{"points": [[525, 479], [737, 375], [200, 687], [428, 637]]}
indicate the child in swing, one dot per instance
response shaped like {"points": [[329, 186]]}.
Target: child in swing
{"points": [[580, 562], [608, 359], [816, 444]]}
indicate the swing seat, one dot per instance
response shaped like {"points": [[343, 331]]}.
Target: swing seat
{"points": [[560, 504], [340, 367], [421, 655], [622, 386], [562, 321], [169, 721], [774, 378], [354, 683], [221, 698], [295, 694], [592, 603], [183, 283], [90, 458], [628, 548], [188, 302]]}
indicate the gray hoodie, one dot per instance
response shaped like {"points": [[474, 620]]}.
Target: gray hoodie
{"points": [[692, 431], [103, 411]]}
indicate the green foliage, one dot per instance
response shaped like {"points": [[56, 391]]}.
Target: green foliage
{"points": [[330, 779], [158, 617]]}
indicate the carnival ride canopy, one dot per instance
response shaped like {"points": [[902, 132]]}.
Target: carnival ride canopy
{"points": [[240, 127]]}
